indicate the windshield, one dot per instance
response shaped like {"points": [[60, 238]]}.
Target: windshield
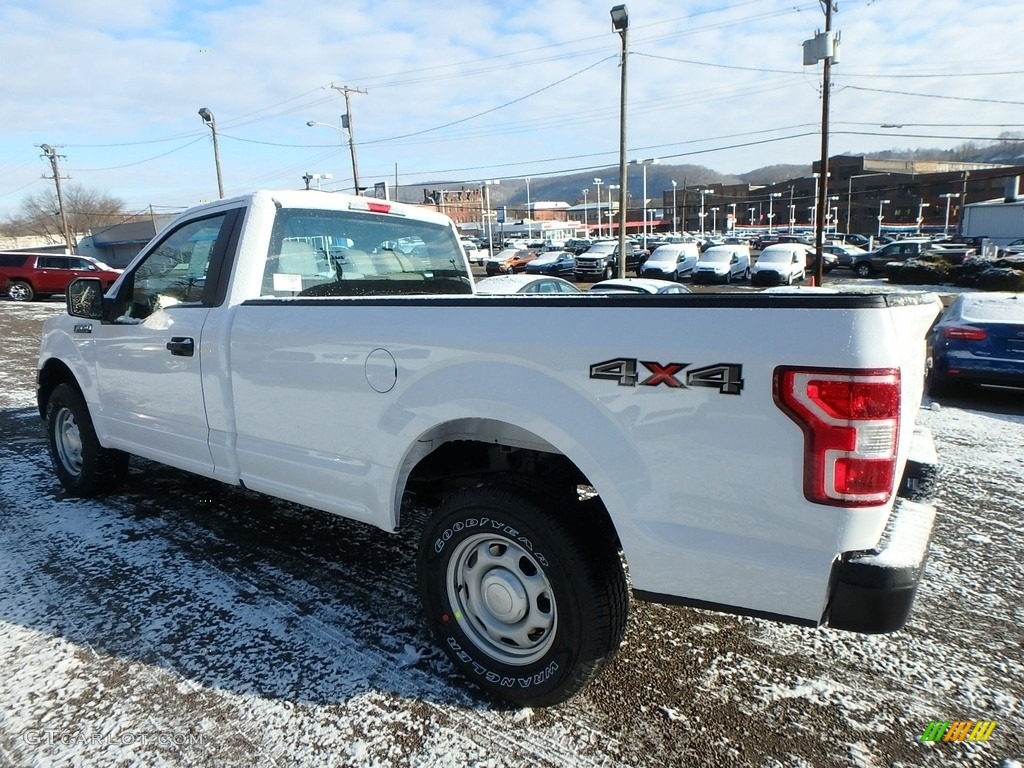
{"points": [[352, 253], [664, 256], [769, 256], [549, 257], [717, 255]]}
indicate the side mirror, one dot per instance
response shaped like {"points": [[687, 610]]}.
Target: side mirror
{"points": [[84, 298]]}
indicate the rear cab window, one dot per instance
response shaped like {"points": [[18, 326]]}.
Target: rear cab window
{"points": [[316, 252]]}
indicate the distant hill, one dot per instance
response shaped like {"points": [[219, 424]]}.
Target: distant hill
{"points": [[772, 174], [569, 187]]}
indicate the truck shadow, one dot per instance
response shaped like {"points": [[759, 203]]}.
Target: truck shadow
{"points": [[996, 401], [216, 585]]}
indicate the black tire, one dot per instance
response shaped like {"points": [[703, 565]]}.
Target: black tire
{"points": [[728, 277], [526, 606], [83, 466], [19, 290], [746, 273], [862, 269], [938, 384], [609, 271]]}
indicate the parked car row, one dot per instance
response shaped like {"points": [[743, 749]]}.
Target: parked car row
{"points": [[548, 285], [869, 263]]}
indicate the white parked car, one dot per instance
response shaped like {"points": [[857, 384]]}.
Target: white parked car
{"points": [[723, 264], [545, 284], [671, 261], [784, 263], [638, 285], [473, 252]]}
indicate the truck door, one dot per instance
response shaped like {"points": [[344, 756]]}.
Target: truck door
{"points": [[149, 360]]}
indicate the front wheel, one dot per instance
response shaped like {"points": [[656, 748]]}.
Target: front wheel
{"points": [[19, 290], [609, 271], [523, 604], [83, 466]]}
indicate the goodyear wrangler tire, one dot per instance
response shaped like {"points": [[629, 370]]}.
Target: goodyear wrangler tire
{"points": [[525, 606], [83, 466]]}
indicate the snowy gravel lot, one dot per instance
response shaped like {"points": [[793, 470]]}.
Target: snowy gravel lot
{"points": [[180, 622]]}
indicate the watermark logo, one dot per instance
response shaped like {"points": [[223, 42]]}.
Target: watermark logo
{"points": [[958, 730], [51, 737]]}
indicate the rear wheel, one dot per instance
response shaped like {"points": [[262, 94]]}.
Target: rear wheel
{"points": [[938, 384], [83, 466], [526, 606], [862, 269], [19, 290]]}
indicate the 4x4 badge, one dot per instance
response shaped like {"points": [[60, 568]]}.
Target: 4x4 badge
{"points": [[727, 378]]}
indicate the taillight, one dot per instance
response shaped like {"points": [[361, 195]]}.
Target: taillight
{"points": [[965, 332], [850, 420]]}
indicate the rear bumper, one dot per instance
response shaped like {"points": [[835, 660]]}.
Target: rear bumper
{"points": [[979, 369], [873, 591], [766, 277], [709, 277]]}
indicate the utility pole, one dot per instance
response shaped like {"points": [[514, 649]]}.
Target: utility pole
{"points": [[822, 47], [346, 122], [50, 154]]}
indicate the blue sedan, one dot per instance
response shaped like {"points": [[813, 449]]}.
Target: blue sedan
{"points": [[556, 263], [979, 339]]}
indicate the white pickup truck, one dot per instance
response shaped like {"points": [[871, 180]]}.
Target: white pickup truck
{"points": [[330, 350]]}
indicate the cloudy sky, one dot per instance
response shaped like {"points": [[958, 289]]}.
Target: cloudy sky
{"points": [[477, 89]]}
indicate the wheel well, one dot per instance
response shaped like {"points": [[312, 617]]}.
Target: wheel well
{"points": [[460, 463], [52, 375]]}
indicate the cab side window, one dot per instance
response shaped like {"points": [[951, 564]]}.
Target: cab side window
{"points": [[175, 271]]}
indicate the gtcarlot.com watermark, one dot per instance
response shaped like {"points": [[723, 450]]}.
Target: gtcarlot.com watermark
{"points": [[57, 737]]}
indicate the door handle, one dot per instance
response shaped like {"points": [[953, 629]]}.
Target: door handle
{"points": [[183, 346]]}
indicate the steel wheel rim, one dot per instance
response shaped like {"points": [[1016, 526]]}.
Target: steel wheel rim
{"points": [[68, 441], [502, 600]]}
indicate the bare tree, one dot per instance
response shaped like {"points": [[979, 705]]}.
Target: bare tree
{"points": [[87, 209]]}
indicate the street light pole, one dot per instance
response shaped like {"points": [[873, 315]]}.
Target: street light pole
{"points": [[949, 196], [771, 208], [714, 219], [208, 118], [620, 23], [675, 228], [643, 163], [610, 208], [598, 183], [529, 218], [702, 214], [486, 211], [586, 225], [921, 205], [880, 217]]}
